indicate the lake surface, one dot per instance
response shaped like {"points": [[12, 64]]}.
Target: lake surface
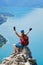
{"points": [[34, 19]]}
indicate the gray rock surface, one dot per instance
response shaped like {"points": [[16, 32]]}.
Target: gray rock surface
{"points": [[22, 58]]}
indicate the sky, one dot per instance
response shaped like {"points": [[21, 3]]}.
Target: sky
{"points": [[22, 3], [27, 14]]}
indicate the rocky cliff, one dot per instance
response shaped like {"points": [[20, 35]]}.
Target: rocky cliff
{"points": [[21, 58], [2, 41], [4, 16]]}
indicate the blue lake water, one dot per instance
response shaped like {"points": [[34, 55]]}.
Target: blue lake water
{"points": [[32, 19]]}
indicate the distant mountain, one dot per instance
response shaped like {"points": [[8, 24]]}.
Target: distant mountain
{"points": [[2, 41], [2, 20], [4, 16]]}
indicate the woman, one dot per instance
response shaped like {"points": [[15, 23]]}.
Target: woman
{"points": [[23, 40]]}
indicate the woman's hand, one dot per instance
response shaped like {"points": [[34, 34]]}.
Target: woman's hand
{"points": [[14, 28], [30, 29]]}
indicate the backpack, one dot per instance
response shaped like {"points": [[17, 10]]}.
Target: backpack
{"points": [[25, 40]]}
